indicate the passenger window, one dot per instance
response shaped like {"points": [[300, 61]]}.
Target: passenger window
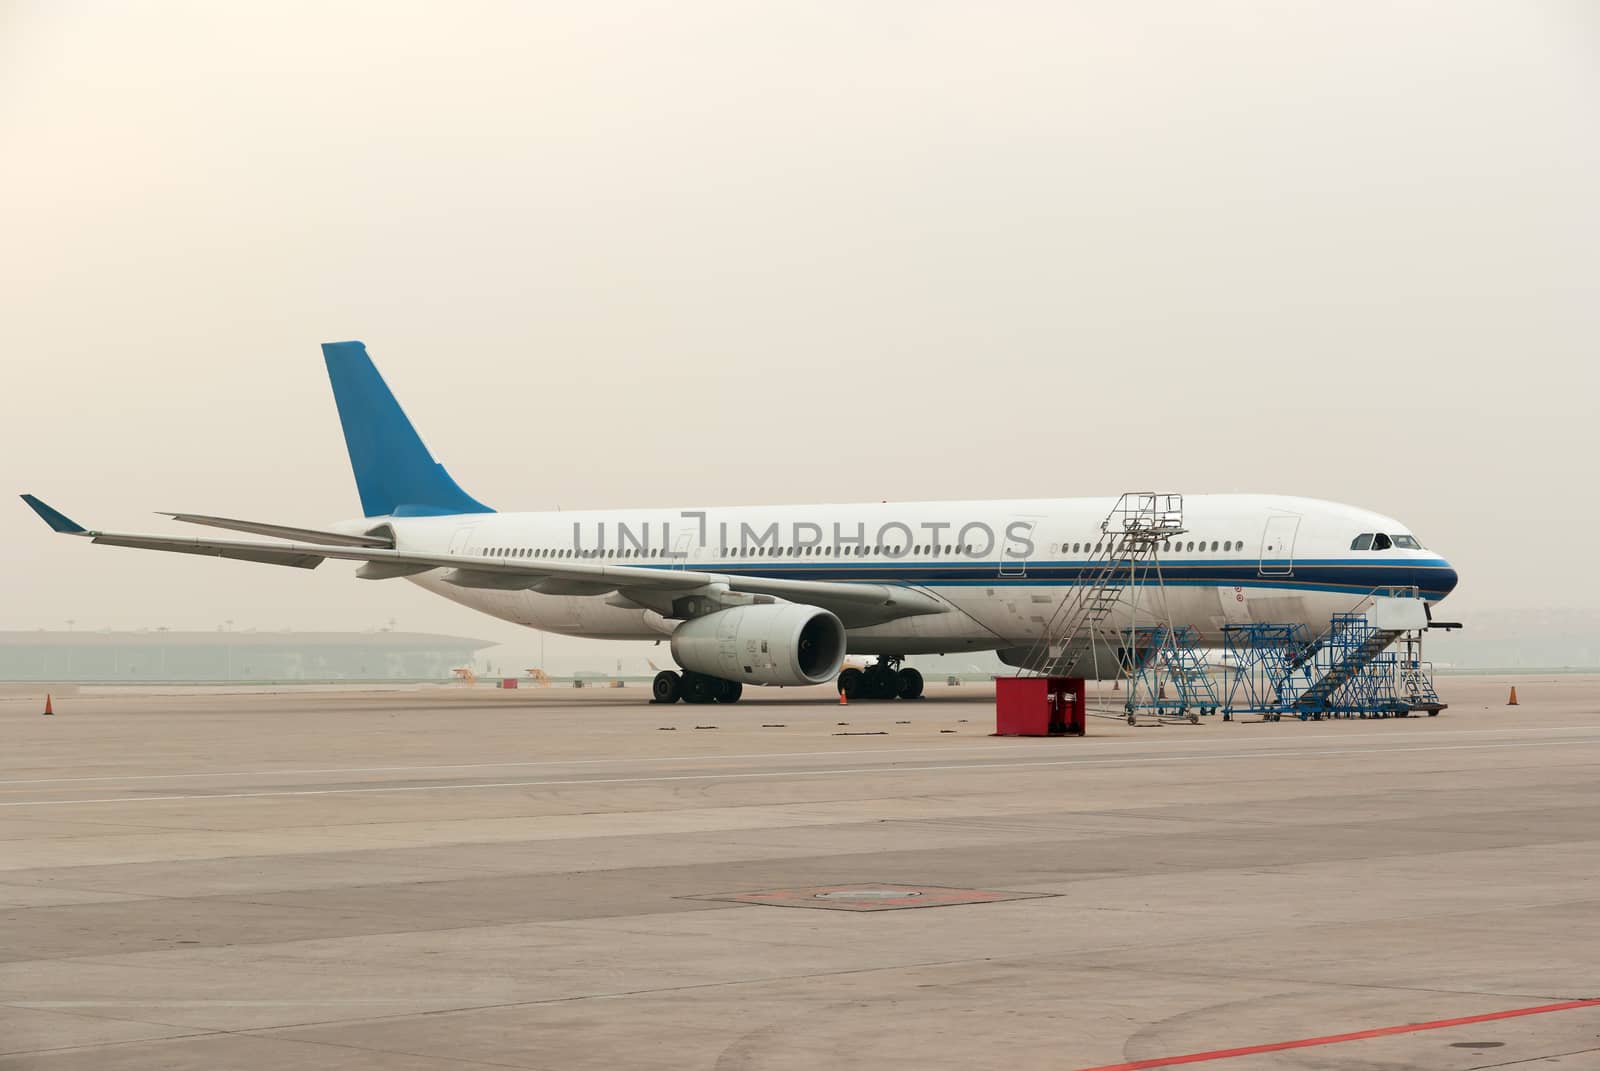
{"points": [[1213, 545], [1381, 542]]}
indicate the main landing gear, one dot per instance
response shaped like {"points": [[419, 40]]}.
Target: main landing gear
{"points": [[669, 687], [886, 678]]}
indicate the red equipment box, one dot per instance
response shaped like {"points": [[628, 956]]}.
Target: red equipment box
{"points": [[1039, 706]]}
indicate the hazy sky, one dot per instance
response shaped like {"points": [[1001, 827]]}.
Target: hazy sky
{"points": [[734, 252]]}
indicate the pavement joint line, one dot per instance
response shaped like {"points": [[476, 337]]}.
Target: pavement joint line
{"points": [[352, 1047], [1339, 1039], [1234, 976], [499, 765], [1267, 749], [257, 1035], [66, 1008], [628, 994], [1125, 760], [1531, 1059], [97, 1045]]}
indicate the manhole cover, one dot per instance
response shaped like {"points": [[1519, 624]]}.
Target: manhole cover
{"points": [[870, 896]]}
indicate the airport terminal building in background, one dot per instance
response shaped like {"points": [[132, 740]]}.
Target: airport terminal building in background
{"points": [[161, 656]]}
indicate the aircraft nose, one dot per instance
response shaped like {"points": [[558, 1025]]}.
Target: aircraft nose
{"points": [[1440, 580]]}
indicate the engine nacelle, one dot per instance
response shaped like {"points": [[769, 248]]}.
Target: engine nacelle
{"points": [[777, 643]]}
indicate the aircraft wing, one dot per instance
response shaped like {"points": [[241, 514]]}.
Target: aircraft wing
{"points": [[644, 587], [282, 531]]}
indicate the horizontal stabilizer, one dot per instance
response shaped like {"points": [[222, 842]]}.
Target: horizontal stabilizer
{"points": [[389, 570]]}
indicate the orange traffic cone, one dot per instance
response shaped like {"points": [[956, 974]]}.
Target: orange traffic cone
{"points": [[47, 709], [1509, 702], [844, 700]]}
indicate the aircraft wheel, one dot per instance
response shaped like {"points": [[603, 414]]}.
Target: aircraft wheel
{"points": [[667, 687], [850, 684], [880, 682], [698, 688], [729, 691], [908, 684]]}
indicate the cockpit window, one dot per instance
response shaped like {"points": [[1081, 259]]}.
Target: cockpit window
{"points": [[1405, 542], [1381, 542], [1362, 542]]}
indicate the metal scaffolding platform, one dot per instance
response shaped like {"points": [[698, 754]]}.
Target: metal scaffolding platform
{"points": [[1347, 672], [1170, 681], [1124, 560], [1264, 659]]}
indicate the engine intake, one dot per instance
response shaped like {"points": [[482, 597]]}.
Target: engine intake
{"points": [[782, 644]]}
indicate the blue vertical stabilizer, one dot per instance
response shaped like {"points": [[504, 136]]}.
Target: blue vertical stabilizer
{"points": [[395, 474]]}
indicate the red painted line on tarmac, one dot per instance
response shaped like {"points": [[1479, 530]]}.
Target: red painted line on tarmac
{"points": [[1334, 1039]]}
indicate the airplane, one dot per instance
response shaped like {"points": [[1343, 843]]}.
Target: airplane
{"points": [[780, 595]]}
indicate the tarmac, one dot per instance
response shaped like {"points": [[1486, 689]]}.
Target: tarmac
{"points": [[451, 878]]}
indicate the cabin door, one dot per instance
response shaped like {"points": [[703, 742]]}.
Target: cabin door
{"points": [[1277, 544]]}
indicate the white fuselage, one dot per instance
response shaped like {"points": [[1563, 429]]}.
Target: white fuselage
{"points": [[1003, 566]]}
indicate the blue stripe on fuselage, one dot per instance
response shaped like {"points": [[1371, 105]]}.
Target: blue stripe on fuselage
{"points": [[1434, 578]]}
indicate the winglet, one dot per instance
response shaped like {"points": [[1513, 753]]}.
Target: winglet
{"points": [[56, 520]]}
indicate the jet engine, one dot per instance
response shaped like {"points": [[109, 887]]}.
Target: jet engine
{"points": [[775, 643]]}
